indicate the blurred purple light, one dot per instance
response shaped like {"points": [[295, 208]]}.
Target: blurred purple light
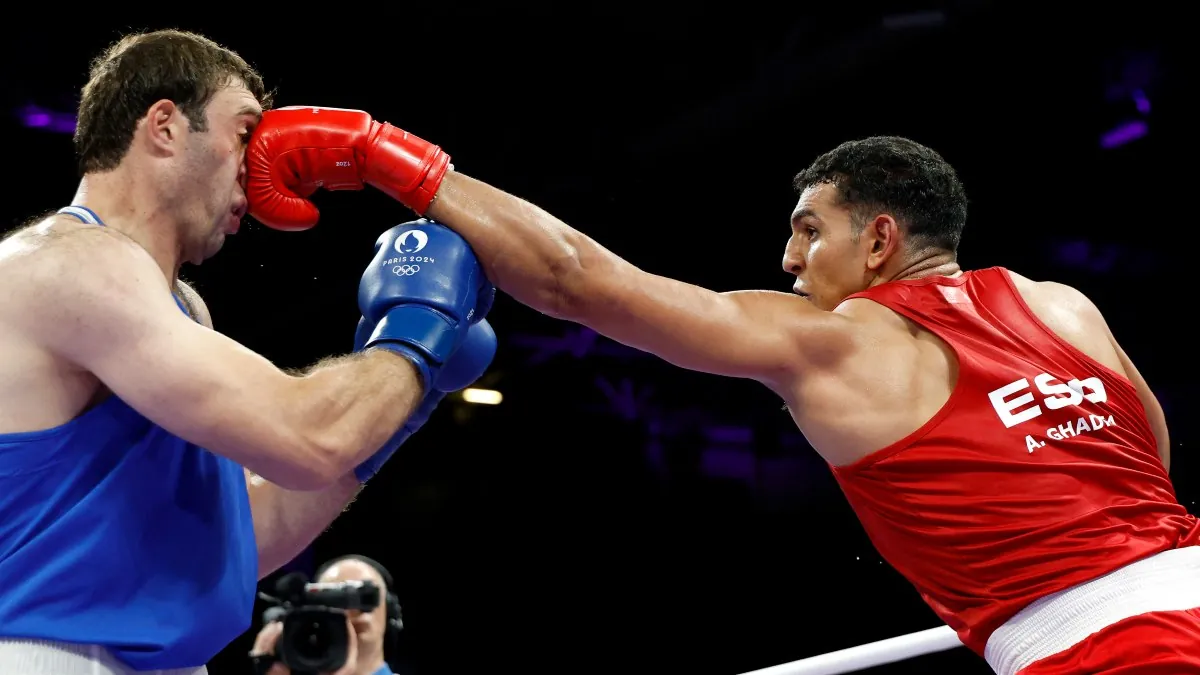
{"points": [[1143, 103], [1082, 254], [35, 117], [1074, 253], [1124, 133], [625, 398], [719, 462], [65, 125], [1105, 259], [729, 434], [780, 477]]}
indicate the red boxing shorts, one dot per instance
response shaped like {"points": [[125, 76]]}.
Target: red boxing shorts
{"points": [[1158, 643], [1143, 618]]}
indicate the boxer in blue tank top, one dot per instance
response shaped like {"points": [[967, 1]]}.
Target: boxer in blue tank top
{"points": [[151, 469]]}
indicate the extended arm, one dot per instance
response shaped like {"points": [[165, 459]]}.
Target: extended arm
{"points": [[544, 263], [105, 306], [529, 253]]}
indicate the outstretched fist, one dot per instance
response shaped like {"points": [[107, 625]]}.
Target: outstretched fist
{"points": [[296, 150]]}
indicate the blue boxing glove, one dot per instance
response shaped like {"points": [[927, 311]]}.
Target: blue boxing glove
{"points": [[422, 290], [466, 365]]}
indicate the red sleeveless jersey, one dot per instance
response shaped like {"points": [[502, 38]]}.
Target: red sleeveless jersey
{"points": [[1039, 473]]}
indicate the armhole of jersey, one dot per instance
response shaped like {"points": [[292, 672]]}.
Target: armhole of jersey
{"points": [[1057, 339], [939, 416]]}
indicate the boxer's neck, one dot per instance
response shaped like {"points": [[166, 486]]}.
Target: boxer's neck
{"points": [[926, 264], [132, 205], [941, 264]]}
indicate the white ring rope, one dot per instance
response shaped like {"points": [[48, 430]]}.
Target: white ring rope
{"points": [[871, 654]]}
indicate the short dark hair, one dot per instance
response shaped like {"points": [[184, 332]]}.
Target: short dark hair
{"points": [[899, 176], [137, 70]]}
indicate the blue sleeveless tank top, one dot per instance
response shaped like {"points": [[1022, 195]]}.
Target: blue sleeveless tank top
{"points": [[114, 532]]}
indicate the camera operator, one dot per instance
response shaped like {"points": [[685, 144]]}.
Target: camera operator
{"points": [[369, 630]]}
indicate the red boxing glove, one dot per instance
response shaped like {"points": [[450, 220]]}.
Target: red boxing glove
{"points": [[296, 150]]}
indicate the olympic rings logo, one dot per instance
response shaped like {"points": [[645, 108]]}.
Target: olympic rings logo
{"points": [[406, 270]]}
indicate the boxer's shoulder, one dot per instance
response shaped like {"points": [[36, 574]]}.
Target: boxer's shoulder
{"points": [[40, 263], [59, 237], [55, 261], [1063, 308], [1052, 294], [1071, 315]]}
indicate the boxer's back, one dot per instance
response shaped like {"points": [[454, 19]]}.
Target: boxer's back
{"points": [[113, 531], [898, 374], [1002, 438]]}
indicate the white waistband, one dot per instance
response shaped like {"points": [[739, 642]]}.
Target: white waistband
{"points": [[1164, 582], [35, 657]]}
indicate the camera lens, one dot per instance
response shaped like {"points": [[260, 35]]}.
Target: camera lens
{"points": [[314, 640]]}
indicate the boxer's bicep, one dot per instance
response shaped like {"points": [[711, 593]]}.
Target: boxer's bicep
{"points": [[113, 315], [286, 521], [762, 335]]}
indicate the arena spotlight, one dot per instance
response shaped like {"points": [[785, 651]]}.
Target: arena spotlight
{"points": [[482, 396]]}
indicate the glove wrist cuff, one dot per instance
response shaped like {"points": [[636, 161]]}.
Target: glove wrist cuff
{"points": [[405, 167], [423, 334], [425, 370]]}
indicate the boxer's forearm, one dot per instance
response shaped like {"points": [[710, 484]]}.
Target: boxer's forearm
{"points": [[528, 253], [287, 521], [349, 406]]}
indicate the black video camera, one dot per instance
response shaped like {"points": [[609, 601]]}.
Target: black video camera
{"points": [[315, 638]]}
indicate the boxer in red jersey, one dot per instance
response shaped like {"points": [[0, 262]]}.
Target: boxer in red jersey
{"points": [[999, 447]]}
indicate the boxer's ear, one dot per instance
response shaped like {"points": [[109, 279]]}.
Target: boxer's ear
{"points": [[163, 125], [881, 235]]}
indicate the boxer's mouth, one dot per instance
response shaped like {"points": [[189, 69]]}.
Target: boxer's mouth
{"points": [[235, 217]]}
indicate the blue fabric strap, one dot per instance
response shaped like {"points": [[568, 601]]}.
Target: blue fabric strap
{"points": [[83, 213]]}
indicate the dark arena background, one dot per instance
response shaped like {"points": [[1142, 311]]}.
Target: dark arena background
{"points": [[612, 513]]}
